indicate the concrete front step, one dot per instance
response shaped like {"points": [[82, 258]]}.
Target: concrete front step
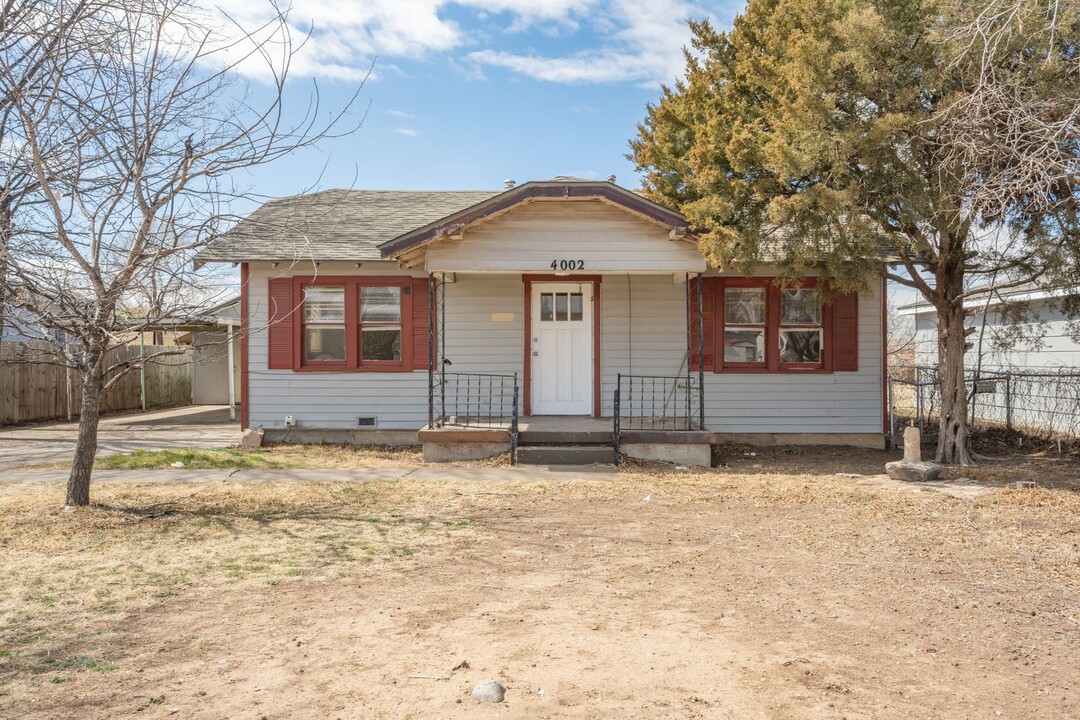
{"points": [[565, 454]]}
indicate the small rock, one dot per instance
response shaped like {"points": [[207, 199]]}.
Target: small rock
{"points": [[251, 438], [647, 498], [913, 471], [488, 691], [176, 464]]}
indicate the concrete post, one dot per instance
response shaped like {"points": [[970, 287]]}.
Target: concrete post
{"points": [[912, 445]]}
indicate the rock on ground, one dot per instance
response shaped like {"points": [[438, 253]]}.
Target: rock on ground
{"points": [[913, 471], [488, 691]]}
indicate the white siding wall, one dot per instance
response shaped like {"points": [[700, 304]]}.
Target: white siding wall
{"points": [[1054, 348], [326, 400], [643, 331], [528, 238], [842, 402]]}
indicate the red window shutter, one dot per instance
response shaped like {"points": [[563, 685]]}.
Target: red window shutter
{"points": [[708, 290], [279, 351], [421, 307], [845, 332]]}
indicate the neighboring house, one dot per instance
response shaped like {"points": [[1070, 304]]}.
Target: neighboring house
{"points": [[553, 288], [1024, 364], [1017, 328]]}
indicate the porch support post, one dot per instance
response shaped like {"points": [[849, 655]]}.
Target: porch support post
{"points": [[701, 350], [232, 376], [689, 354], [442, 343], [431, 352]]}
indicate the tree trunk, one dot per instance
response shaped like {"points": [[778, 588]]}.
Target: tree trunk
{"points": [[6, 224], [78, 488], [954, 437]]}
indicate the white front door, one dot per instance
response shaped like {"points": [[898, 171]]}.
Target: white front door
{"points": [[562, 348]]}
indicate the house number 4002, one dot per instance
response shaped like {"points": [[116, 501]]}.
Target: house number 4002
{"points": [[567, 264]]}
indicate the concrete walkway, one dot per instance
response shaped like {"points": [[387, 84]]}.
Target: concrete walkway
{"points": [[198, 426], [536, 473]]}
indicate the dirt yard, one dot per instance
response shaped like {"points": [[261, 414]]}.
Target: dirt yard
{"points": [[769, 588]]}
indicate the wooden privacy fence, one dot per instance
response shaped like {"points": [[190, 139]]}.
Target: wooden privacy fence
{"points": [[36, 392]]}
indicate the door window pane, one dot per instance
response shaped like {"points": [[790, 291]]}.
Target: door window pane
{"points": [[380, 344], [575, 306], [324, 342], [744, 346], [560, 306], [800, 346], [380, 304], [324, 304], [545, 307], [744, 306], [800, 306]]}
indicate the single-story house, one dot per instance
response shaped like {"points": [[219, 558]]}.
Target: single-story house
{"points": [[1016, 327], [1023, 369], [558, 311]]}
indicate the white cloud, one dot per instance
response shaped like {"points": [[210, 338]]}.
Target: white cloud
{"points": [[400, 114], [407, 132], [644, 45], [620, 40]]}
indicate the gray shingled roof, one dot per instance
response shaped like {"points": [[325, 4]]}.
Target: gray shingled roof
{"points": [[335, 224]]}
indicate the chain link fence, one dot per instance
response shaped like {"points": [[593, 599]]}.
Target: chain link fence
{"points": [[1042, 403]]}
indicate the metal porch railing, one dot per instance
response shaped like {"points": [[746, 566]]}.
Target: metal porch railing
{"points": [[477, 400], [656, 402]]}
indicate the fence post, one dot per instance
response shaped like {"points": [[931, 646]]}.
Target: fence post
{"points": [[1008, 401], [892, 413], [918, 399]]}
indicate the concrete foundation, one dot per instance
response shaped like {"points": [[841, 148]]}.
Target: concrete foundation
{"points": [[874, 441], [698, 454], [452, 451], [337, 436]]}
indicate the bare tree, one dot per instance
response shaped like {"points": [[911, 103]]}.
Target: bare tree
{"points": [[126, 142]]}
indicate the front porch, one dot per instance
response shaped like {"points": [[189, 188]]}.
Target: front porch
{"points": [[560, 440]]}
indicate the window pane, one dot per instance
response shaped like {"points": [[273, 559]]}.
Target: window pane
{"points": [[575, 306], [800, 346], [800, 306], [560, 306], [380, 304], [744, 346], [324, 304], [324, 342], [744, 306], [545, 306], [381, 344]]}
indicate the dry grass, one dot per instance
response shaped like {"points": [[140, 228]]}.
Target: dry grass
{"points": [[73, 578]]}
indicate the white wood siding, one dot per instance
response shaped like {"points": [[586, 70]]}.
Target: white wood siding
{"points": [[842, 402], [326, 400], [1044, 345], [643, 331], [528, 238]]}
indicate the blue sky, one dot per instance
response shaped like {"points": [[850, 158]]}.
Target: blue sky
{"points": [[465, 94]]}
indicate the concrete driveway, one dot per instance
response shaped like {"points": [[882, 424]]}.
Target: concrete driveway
{"points": [[199, 426]]}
